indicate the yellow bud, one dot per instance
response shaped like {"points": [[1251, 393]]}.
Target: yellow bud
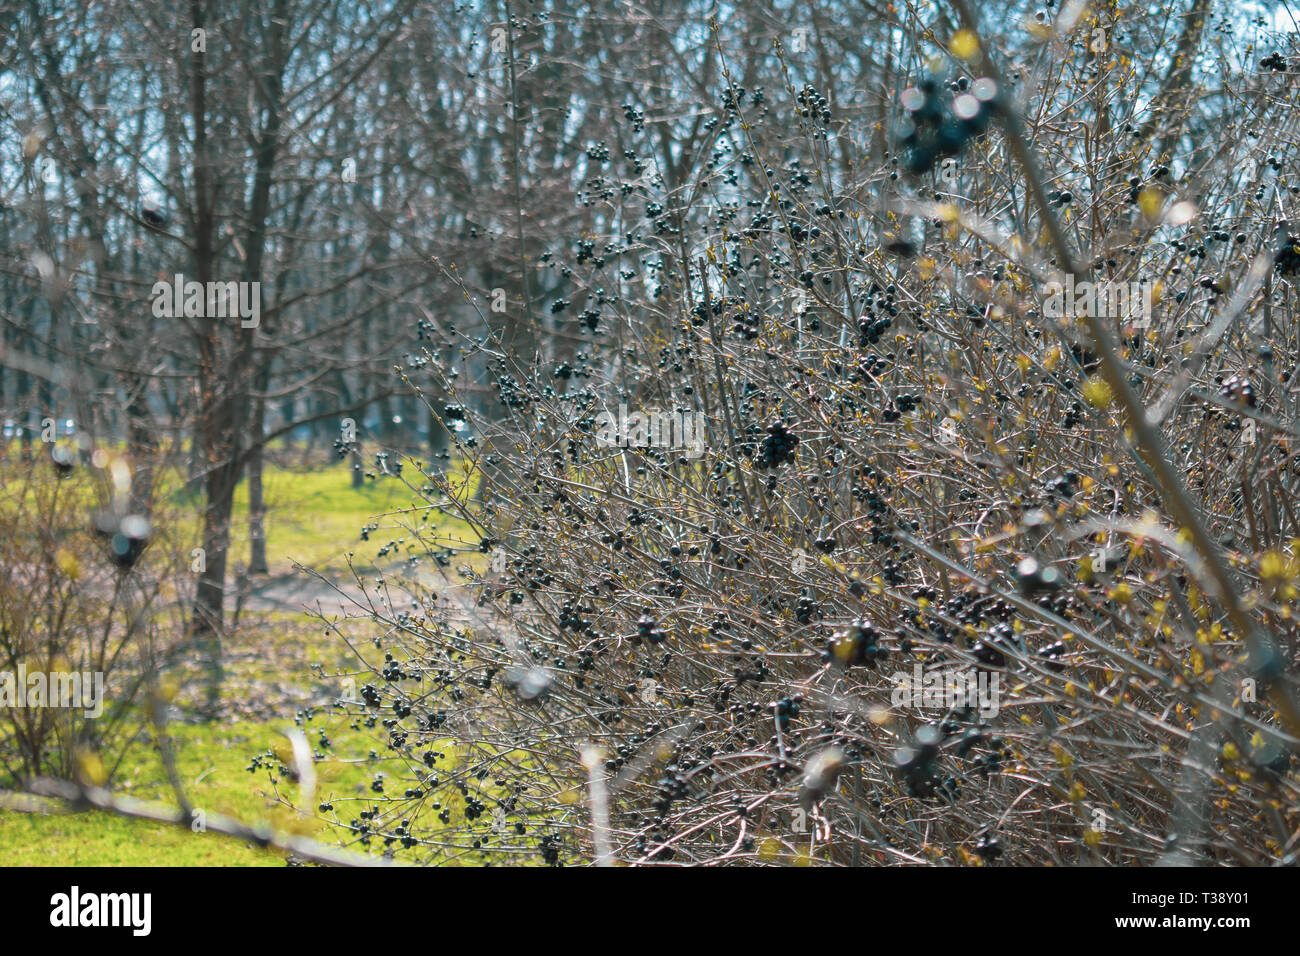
{"points": [[67, 562], [1097, 392], [965, 45], [91, 769], [1150, 201]]}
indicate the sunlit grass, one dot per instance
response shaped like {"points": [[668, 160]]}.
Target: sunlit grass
{"points": [[314, 518]]}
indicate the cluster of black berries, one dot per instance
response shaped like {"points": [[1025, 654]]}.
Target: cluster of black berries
{"points": [[1088, 359], [571, 617], [991, 762], [915, 763], [1062, 486], [511, 393], [1135, 183], [873, 363], [990, 650], [745, 324], [858, 644], [392, 670], [878, 511], [779, 446], [64, 460], [1237, 388], [1275, 62], [805, 609], [969, 740], [827, 544], [1052, 654], [530, 684], [648, 630], [733, 97], [903, 403], [785, 709], [1034, 578], [127, 537], [635, 116], [1287, 258], [671, 788], [971, 607], [813, 105], [870, 329], [801, 233], [988, 847], [935, 128], [1073, 416], [1215, 285]]}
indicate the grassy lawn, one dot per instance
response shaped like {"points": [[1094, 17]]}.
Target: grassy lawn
{"points": [[314, 518], [211, 761]]}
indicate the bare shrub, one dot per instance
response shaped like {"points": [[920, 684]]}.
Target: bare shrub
{"points": [[82, 607], [913, 462]]}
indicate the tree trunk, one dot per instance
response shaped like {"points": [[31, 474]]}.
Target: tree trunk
{"points": [[215, 448], [208, 625], [143, 451], [256, 502]]}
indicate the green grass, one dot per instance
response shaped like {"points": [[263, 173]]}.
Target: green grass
{"points": [[314, 515], [314, 518], [211, 761]]}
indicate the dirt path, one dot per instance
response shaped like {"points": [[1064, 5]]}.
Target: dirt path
{"points": [[269, 665], [300, 591]]}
